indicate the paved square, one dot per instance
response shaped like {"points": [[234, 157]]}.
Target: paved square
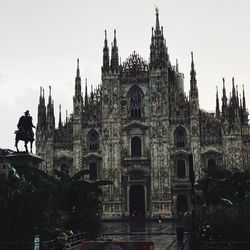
{"points": [[162, 234]]}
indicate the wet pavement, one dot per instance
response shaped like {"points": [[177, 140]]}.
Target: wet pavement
{"points": [[162, 234]]}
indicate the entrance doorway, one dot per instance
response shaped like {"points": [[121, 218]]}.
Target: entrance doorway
{"points": [[182, 205], [137, 202]]}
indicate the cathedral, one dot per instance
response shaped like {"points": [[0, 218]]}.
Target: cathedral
{"points": [[140, 130]]}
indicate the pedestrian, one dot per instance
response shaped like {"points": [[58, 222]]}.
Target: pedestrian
{"points": [[159, 218]]}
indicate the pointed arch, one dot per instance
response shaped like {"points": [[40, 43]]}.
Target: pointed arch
{"points": [[136, 146], [93, 140], [135, 96], [180, 137]]}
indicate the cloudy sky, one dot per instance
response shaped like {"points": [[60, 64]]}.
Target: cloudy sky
{"points": [[40, 41]]}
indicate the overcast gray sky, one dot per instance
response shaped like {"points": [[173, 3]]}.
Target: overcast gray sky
{"points": [[40, 41]]}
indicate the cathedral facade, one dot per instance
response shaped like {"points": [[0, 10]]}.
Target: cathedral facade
{"points": [[140, 130]]}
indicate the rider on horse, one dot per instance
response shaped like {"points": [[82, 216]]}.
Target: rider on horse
{"points": [[25, 125]]}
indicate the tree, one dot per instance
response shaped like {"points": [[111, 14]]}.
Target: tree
{"points": [[80, 201], [32, 202], [225, 202], [25, 202]]}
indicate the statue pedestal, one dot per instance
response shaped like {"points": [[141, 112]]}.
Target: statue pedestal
{"points": [[23, 159]]}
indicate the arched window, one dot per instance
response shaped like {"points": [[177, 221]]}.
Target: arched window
{"points": [[181, 169], [211, 165], [92, 171], [180, 137], [135, 105], [93, 140], [136, 146]]}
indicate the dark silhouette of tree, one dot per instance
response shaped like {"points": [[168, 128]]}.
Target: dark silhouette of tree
{"points": [[32, 202], [225, 205]]}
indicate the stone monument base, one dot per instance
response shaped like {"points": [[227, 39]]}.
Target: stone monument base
{"points": [[24, 159]]}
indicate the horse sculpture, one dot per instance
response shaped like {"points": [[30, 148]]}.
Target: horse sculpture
{"points": [[24, 132], [25, 136]]}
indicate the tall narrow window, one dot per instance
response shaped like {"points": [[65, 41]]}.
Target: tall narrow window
{"points": [[180, 137], [181, 169], [136, 146], [93, 140], [135, 105], [92, 171]]}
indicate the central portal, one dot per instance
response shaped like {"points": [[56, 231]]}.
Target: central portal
{"points": [[137, 201]]}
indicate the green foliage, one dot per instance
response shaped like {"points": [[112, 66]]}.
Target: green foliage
{"points": [[37, 203], [225, 200]]}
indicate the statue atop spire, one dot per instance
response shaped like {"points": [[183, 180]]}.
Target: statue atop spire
{"points": [[158, 51], [157, 25], [156, 10]]}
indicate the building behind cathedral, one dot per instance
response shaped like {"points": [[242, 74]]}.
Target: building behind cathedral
{"points": [[139, 128]]}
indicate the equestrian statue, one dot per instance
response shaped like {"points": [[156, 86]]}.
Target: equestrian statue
{"points": [[25, 132]]}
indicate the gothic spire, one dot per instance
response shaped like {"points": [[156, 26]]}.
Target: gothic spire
{"points": [[243, 99], [115, 42], [177, 66], [224, 101], [217, 104], [224, 89], [158, 50], [86, 93], [105, 66], [50, 113], [114, 55], [192, 63], [234, 99], [157, 24], [245, 112], [60, 117], [78, 70], [78, 87], [237, 96], [193, 82], [41, 115], [43, 98], [233, 89], [50, 99]]}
